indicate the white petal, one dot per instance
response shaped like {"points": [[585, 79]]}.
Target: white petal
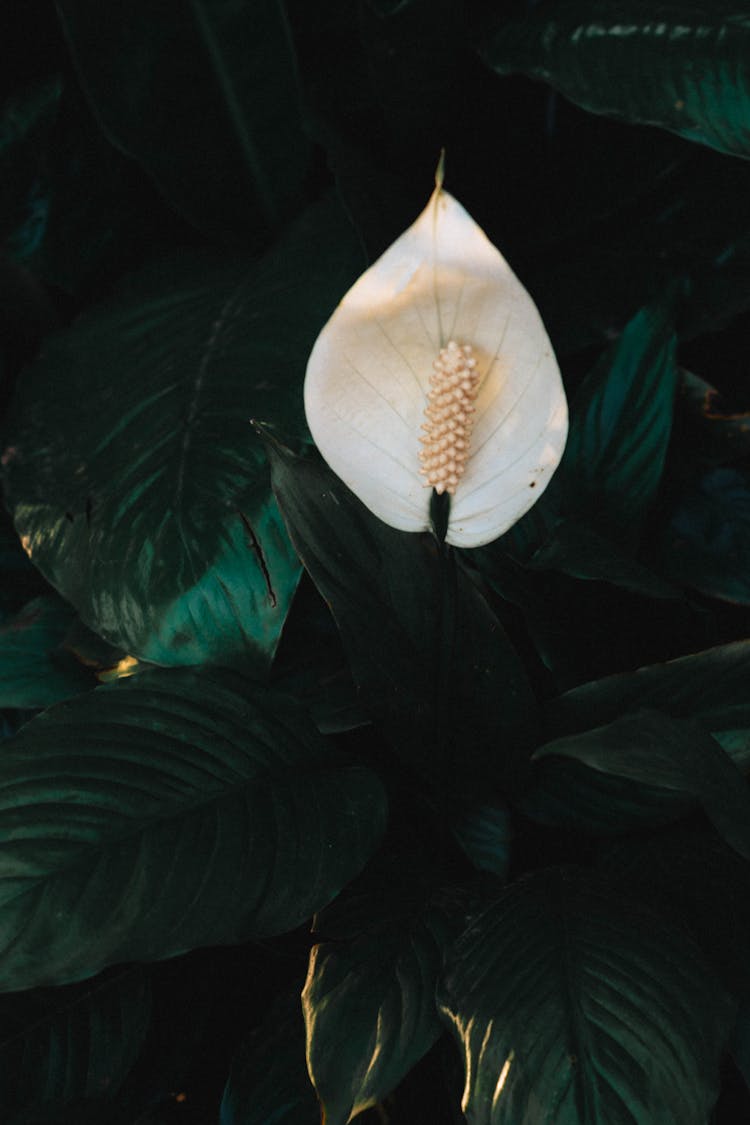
{"points": [[367, 378]]}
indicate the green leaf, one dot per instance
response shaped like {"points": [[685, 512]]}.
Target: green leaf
{"points": [[173, 810], [485, 834], [429, 657], [578, 551], [681, 66], [620, 423], [572, 1004], [25, 123], [706, 541], [150, 508], [35, 670], [712, 686], [369, 999], [268, 1083], [565, 793], [665, 753], [79, 1042], [205, 97]]}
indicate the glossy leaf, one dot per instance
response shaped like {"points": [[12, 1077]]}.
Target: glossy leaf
{"points": [[621, 419], [205, 98], [712, 686], [430, 659], [35, 670], [575, 1004], [369, 999], [149, 508], [165, 812], [680, 66], [382, 378], [62, 1045], [706, 542], [673, 754], [269, 1083]]}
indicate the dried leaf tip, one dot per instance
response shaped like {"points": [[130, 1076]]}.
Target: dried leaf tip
{"points": [[449, 419]]}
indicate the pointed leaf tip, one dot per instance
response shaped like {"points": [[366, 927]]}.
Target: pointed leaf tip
{"points": [[383, 372]]}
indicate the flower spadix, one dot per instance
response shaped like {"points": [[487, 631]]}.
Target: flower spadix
{"points": [[435, 372]]}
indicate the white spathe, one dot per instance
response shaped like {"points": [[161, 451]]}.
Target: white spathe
{"points": [[368, 376]]}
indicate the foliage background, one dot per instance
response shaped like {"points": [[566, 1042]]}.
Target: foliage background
{"points": [[186, 191]]}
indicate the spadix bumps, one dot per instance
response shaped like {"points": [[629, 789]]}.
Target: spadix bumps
{"points": [[436, 369]]}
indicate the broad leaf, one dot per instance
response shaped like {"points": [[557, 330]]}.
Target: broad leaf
{"points": [[165, 812], [677, 755], [572, 1004], [430, 659], [706, 541], [269, 1083], [712, 686], [35, 670], [61, 1045], [638, 62], [369, 999], [149, 508], [205, 98]]}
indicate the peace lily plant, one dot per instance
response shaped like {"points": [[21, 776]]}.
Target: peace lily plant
{"points": [[436, 372]]}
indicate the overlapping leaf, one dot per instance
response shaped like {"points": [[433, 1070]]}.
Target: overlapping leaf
{"points": [[136, 482], [573, 1004], [675, 755], [369, 1000], [35, 670], [712, 686], [430, 659], [173, 810], [682, 66]]}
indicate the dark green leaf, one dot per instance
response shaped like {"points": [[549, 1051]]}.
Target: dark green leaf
{"points": [[711, 686], [430, 659], [571, 1004], [150, 508], [61, 1045], [205, 98], [706, 542], [25, 123], [619, 429], [577, 550], [564, 793], [35, 670], [269, 1083], [485, 834], [652, 749], [165, 812], [369, 999], [682, 66]]}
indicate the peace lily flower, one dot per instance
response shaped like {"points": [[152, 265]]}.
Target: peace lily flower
{"points": [[435, 371]]}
